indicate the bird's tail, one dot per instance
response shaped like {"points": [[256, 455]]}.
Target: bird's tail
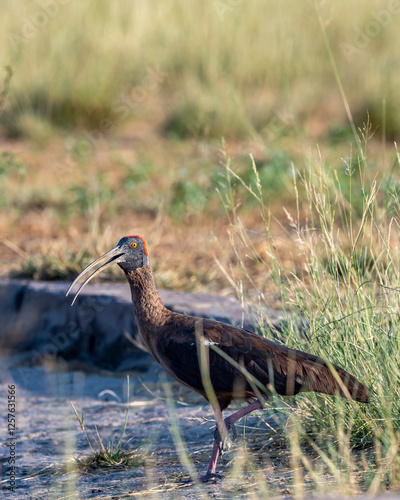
{"points": [[331, 379]]}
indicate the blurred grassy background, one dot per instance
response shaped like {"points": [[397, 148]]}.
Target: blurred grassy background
{"points": [[219, 68], [120, 116]]}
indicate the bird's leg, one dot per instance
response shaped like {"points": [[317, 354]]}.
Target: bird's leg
{"points": [[230, 421], [210, 474], [222, 430], [216, 451]]}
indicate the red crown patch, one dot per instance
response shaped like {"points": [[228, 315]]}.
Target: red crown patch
{"points": [[137, 236]]}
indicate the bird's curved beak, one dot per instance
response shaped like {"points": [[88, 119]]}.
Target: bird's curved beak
{"points": [[112, 256]]}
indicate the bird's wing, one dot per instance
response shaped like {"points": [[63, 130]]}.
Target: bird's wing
{"points": [[178, 353], [287, 370]]}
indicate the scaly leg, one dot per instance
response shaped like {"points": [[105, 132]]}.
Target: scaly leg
{"points": [[210, 474], [230, 421], [222, 430]]}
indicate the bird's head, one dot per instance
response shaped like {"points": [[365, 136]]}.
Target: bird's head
{"points": [[129, 254]]}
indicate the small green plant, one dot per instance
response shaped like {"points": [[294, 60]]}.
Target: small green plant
{"points": [[186, 198], [109, 455], [91, 198], [9, 165], [137, 174]]}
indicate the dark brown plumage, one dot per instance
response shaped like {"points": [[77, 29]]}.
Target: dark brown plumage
{"points": [[242, 364]]}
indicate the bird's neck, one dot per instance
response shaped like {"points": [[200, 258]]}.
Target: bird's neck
{"points": [[150, 311]]}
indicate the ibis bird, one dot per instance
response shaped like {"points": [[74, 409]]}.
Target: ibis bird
{"points": [[240, 365]]}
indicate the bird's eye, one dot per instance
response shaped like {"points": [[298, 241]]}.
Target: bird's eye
{"points": [[134, 244]]}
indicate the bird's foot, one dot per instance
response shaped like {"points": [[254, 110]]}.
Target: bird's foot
{"points": [[222, 441], [234, 431], [210, 476]]}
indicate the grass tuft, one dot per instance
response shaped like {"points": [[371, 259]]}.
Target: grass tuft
{"points": [[109, 456]]}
